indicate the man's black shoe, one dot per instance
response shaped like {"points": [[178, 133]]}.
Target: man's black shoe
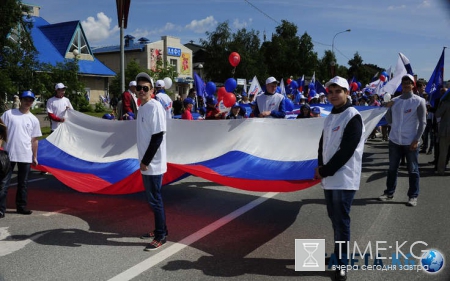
{"points": [[2, 215], [24, 211], [340, 275]]}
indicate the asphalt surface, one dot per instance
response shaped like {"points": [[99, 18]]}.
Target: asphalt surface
{"points": [[216, 232]]}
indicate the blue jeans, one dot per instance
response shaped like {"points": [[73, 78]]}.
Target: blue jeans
{"points": [[152, 185], [396, 152], [339, 203], [23, 170]]}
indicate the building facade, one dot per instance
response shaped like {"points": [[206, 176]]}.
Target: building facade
{"points": [[147, 54], [63, 41]]}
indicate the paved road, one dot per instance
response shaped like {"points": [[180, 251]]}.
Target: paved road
{"points": [[215, 232]]}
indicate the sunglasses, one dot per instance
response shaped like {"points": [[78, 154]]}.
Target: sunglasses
{"points": [[145, 88]]}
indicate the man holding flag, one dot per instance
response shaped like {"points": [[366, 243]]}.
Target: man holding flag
{"points": [[270, 104], [407, 117], [436, 81]]}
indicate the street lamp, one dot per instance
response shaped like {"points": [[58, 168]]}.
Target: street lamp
{"points": [[332, 44], [333, 63]]}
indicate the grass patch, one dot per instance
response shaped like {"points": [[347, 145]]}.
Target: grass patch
{"points": [[45, 132]]}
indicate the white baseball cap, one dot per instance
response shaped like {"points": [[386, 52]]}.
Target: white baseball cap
{"points": [[408, 76], [341, 82], [160, 84], [132, 83], [143, 76], [60, 86], [270, 80]]}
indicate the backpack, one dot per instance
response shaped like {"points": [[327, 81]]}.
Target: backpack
{"points": [[5, 164]]}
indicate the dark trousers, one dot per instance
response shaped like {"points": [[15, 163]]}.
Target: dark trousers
{"points": [[152, 185], [396, 152], [23, 169], [428, 136], [339, 203]]}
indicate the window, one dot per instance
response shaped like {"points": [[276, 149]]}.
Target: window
{"points": [[174, 63], [79, 43]]}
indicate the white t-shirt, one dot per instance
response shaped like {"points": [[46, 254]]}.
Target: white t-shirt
{"points": [[58, 106], [152, 120], [166, 102], [21, 129]]}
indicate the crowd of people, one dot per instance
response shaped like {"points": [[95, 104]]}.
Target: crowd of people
{"points": [[411, 116]]}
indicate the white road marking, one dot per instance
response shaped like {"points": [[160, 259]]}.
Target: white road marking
{"points": [[176, 247], [8, 247]]}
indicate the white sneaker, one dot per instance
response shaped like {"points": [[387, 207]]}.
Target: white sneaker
{"points": [[412, 202], [386, 197]]}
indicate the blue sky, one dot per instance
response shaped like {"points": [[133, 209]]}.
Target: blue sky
{"points": [[379, 29]]}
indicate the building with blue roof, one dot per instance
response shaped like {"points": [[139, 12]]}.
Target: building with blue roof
{"points": [[58, 42], [169, 49]]}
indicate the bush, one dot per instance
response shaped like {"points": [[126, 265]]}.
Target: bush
{"points": [[86, 107], [99, 107]]}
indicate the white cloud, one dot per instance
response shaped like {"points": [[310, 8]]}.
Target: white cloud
{"points": [[200, 26], [239, 25], [98, 29], [138, 33], [396, 7]]}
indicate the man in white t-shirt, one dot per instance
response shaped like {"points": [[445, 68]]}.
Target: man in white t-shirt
{"points": [[57, 106], [271, 103], [22, 146], [151, 145], [163, 98]]}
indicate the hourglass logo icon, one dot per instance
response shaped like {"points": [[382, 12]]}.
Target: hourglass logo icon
{"points": [[310, 261], [310, 254]]}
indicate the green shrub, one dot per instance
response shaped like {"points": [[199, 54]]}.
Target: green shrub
{"points": [[99, 107]]}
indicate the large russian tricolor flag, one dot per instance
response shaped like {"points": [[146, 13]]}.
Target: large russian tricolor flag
{"points": [[95, 155]]}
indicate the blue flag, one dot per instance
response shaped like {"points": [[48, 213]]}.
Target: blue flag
{"points": [[436, 81], [320, 88], [200, 86]]}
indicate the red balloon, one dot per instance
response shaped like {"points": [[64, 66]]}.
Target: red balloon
{"points": [[229, 100], [354, 86], [234, 59], [221, 93], [382, 78]]}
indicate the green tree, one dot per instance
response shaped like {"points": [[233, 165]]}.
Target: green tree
{"points": [[355, 66], [282, 53], [67, 73], [133, 68], [216, 46], [362, 72], [308, 59], [221, 43], [326, 67], [162, 71], [247, 44], [17, 52]]}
